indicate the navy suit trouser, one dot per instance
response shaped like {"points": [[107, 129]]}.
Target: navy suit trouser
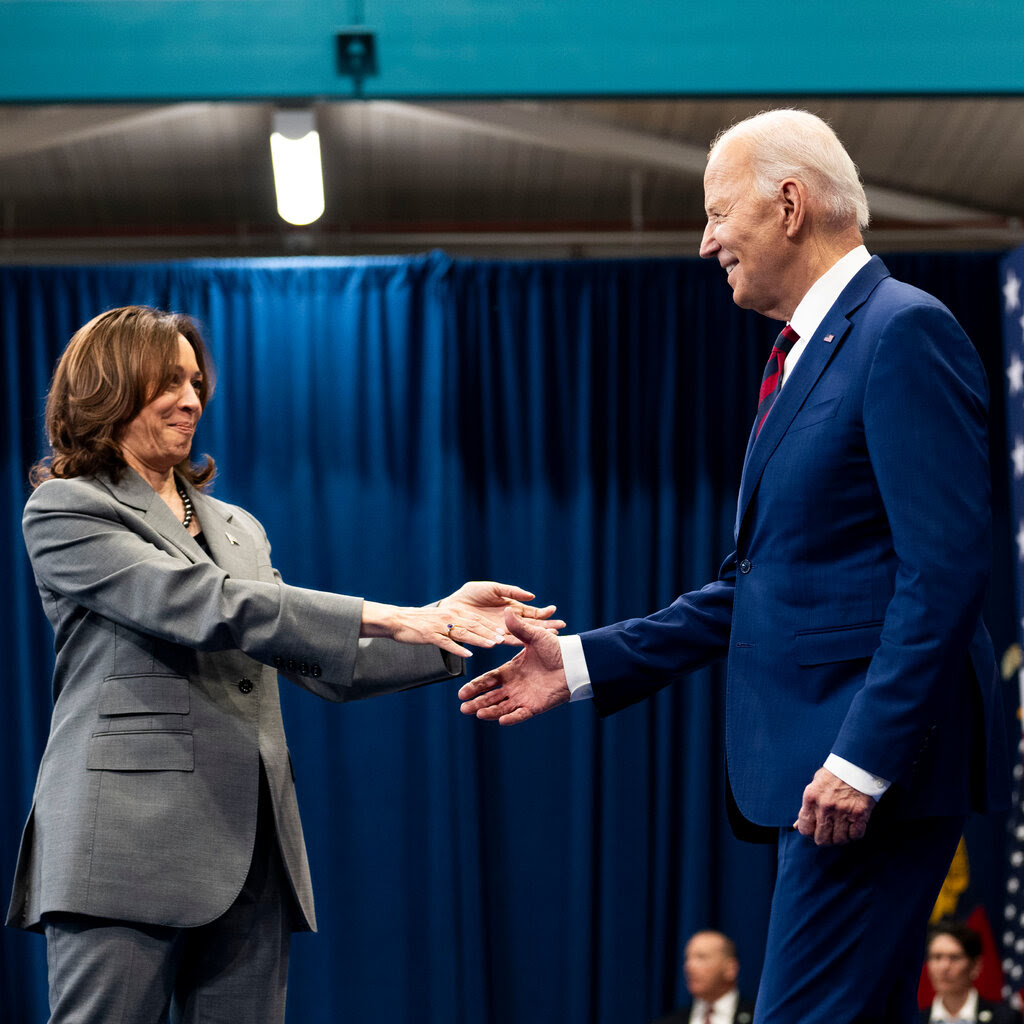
{"points": [[847, 928]]}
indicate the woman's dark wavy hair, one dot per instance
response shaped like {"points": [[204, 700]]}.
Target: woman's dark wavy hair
{"points": [[113, 367]]}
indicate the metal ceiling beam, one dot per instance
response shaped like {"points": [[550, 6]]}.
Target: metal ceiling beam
{"points": [[151, 50], [538, 124], [533, 244], [25, 130]]}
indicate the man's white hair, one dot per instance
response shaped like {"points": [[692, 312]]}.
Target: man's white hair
{"points": [[798, 144]]}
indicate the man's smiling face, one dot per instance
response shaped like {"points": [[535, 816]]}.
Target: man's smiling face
{"points": [[745, 231]]}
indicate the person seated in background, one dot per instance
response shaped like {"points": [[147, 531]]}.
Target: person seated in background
{"points": [[711, 968], [953, 959]]}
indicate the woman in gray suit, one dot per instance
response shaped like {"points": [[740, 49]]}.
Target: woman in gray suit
{"points": [[163, 855]]}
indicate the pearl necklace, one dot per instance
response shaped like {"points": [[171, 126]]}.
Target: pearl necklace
{"points": [[187, 502]]}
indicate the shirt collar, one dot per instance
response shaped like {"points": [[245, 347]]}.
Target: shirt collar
{"points": [[969, 1011], [723, 1005], [821, 296]]}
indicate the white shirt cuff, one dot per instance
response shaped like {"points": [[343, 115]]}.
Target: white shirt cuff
{"points": [[574, 663], [864, 782]]}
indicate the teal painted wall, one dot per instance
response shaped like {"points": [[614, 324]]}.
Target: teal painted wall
{"points": [[66, 50]]}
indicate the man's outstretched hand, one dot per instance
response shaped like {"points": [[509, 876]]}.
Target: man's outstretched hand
{"points": [[531, 683]]}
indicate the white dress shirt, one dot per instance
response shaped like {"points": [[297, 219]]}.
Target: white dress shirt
{"points": [[723, 1009], [968, 1012], [807, 318]]}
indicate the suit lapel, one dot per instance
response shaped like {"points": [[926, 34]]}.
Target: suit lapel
{"points": [[819, 352], [133, 491], [230, 546]]}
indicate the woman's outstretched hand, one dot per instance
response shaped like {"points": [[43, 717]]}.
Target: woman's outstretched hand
{"points": [[489, 600], [473, 615]]}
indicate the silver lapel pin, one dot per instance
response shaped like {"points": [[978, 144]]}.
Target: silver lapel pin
{"points": [[230, 538]]}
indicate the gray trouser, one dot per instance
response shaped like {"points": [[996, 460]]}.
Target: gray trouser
{"points": [[232, 970]]}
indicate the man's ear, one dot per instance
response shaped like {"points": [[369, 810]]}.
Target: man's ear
{"points": [[793, 201], [731, 970]]}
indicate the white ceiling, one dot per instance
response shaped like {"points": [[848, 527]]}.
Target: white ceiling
{"points": [[552, 178]]}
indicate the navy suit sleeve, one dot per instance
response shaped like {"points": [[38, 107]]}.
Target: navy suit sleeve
{"points": [[633, 659], [925, 424]]}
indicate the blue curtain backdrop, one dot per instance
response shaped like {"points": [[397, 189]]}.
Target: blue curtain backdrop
{"points": [[399, 426]]}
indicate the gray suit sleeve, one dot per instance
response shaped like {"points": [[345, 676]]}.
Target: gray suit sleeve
{"points": [[105, 557]]}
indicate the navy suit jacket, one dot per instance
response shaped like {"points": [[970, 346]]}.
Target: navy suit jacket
{"points": [[850, 610]]}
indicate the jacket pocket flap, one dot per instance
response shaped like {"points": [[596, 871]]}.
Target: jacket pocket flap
{"points": [[141, 752], [810, 415], [845, 643], [144, 695]]}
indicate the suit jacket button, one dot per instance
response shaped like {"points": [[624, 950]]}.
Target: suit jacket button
{"points": [[292, 664], [278, 661], [245, 685], [303, 669], [745, 566], [316, 671]]}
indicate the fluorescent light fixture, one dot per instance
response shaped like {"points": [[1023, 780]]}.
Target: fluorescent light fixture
{"points": [[298, 178]]}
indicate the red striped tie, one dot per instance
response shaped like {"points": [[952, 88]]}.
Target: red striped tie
{"points": [[771, 382]]}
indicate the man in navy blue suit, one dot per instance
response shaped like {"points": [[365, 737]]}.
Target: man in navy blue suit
{"points": [[863, 708]]}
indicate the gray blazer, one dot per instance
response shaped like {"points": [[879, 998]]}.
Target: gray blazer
{"points": [[166, 700]]}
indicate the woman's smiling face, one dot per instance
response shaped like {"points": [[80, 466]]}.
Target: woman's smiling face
{"points": [[160, 436]]}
